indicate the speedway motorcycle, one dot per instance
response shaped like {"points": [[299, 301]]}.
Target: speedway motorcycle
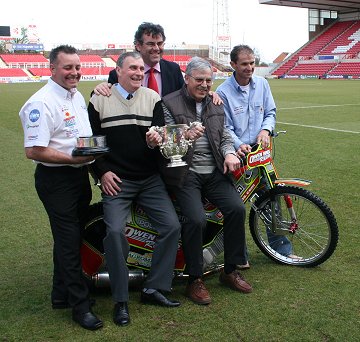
{"points": [[279, 208]]}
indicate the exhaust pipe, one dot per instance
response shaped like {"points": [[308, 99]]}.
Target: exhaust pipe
{"points": [[137, 277], [102, 279]]}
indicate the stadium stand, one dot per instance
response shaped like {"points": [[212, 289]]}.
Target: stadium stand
{"points": [[103, 70], [24, 61], [311, 69], [12, 72], [40, 71], [114, 57], [325, 54], [346, 68], [346, 42]]}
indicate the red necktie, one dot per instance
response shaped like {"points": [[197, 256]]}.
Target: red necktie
{"points": [[152, 84]]}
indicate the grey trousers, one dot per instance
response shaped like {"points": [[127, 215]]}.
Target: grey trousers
{"points": [[218, 189], [152, 196]]}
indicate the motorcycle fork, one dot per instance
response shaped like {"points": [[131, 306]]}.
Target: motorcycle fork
{"points": [[289, 205], [272, 221]]}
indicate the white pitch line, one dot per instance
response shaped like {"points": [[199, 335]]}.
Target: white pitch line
{"points": [[324, 128], [321, 106]]}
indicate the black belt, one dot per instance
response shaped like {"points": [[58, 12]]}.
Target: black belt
{"points": [[63, 168]]}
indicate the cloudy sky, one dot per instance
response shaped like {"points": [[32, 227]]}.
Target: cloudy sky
{"points": [[269, 29]]}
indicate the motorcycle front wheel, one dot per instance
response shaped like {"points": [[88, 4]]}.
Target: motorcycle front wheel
{"points": [[303, 223]]}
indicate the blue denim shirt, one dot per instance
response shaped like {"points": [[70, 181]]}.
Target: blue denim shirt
{"points": [[246, 118]]}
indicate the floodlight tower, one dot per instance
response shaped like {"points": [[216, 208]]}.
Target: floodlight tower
{"points": [[221, 42]]}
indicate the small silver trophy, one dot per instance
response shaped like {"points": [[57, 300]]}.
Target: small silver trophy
{"points": [[88, 146], [174, 145]]}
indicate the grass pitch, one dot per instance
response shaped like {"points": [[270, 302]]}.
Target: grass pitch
{"points": [[322, 120]]}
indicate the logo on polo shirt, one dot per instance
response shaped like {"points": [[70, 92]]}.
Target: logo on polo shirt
{"points": [[34, 115], [69, 120]]}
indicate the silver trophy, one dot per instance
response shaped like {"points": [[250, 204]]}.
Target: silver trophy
{"points": [[89, 146], [174, 145]]}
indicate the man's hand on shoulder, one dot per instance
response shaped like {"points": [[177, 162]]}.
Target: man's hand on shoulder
{"points": [[216, 98], [103, 88]]}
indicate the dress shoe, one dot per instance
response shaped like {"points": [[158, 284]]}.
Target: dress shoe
{"points": [[63, 304], [87, 320], [197, 292], [235, 281], [157, 298], [121, 314]]}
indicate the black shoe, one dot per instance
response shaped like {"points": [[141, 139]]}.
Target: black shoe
{"points": [[121, 314], [157, 298], [87, 320], [63, 304]]}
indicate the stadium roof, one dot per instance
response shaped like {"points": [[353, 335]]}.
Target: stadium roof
{"points": [[345, 6]]}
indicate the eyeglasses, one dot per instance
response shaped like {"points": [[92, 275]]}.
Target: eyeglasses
{"points": [[153, 44], [200, 80]]}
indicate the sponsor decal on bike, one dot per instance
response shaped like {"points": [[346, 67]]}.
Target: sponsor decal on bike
{"points": [[138, 259], [259, 158], [250, 189], [140, 238]]}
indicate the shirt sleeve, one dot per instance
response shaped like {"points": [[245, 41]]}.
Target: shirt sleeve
{"points": [[269, 110], [37, 123], [229, 124], [227, 143], [158, 115]]}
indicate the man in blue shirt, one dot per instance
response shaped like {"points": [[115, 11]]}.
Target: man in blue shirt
{"points": [[250, 115]]}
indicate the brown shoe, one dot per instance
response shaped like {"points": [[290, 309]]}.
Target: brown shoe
{"points": [[197, 292], [235, 281]]}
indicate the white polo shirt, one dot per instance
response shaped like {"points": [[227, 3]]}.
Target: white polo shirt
{"points": [[54, 117]]}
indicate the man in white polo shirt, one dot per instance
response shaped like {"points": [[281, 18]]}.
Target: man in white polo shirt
{"points": [[52, 119]]}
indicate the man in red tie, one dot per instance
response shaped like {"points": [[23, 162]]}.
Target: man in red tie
{"points": [[160, 75], [152, 83]]}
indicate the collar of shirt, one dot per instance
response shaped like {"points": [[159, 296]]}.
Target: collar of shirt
{"points": [[237, 85], [157, 76], [122, 91], [66, 94], [156, 67]]}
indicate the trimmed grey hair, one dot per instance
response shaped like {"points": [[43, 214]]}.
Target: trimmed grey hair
{"points": [[197, 63], [122, 57]]}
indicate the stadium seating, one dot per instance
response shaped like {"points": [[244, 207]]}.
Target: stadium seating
{"points": [[339, 41], [23, 59], [311, 69], [182, 60], [40, 71], [96, 70], [347, 68], [114, 57], [12, 72], [345, 42]]}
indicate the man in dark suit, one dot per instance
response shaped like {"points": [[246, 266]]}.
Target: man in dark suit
{"points": [[149, 41]]}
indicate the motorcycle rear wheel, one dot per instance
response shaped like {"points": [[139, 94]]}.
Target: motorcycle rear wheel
{"points": [[314, 234]]}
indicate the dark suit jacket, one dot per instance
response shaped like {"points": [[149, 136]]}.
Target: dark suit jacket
{"points": [[171, 77]]}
